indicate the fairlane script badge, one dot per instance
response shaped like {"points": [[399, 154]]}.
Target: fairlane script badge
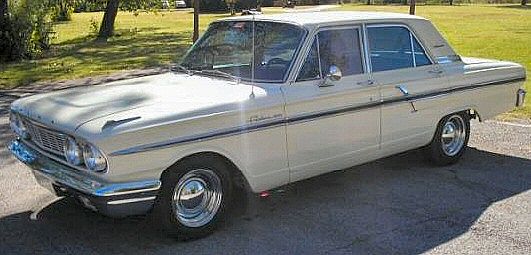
{"points": [[256, 118]]}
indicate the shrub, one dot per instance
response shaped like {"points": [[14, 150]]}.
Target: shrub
{"points": [[26, 30], [61, 13]]}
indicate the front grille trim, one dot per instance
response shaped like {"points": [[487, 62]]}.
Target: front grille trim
{"points": [[45, 138]]}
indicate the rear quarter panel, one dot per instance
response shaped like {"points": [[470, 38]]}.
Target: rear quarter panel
{"points": [[494, 86]]}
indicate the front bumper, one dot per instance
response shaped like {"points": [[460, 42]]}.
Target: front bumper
{"points": [[111, 199]]}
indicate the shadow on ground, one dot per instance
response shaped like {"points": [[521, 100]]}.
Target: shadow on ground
{"points": [[515, 6], [394, 205]]}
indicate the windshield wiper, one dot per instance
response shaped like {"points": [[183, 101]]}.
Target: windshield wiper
{"points": [[199, 70], [219, 73], [180, 68]]}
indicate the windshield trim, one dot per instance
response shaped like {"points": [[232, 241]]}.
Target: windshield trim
{"points": [[293, 60]]}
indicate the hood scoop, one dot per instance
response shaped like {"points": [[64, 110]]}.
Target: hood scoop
{"points": [[114, 123]]}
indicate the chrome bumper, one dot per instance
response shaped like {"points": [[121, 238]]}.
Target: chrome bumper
{"points": [[112, 199], [520, 97]]}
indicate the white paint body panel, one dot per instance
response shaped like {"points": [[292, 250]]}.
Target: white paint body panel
{"points": [[176, 106]]}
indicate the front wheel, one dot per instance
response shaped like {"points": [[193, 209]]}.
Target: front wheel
{"points": [[450, 139], [194, 197]]}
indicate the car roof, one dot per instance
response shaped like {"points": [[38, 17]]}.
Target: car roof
{"points": [[316, 18]]}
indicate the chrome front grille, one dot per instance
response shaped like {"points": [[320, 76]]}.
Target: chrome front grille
{"points": [[45, 138]]}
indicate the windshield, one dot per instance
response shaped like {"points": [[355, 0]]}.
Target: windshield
{"points": [[227, 46]]}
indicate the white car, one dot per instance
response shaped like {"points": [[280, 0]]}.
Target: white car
{"points": [[259, 102], [180, 4]]}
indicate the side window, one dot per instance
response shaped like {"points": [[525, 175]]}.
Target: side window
{"points": [[310, 68], [340, 47], [420, 56], [394, 48]]}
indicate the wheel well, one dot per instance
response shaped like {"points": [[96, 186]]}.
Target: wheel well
{"points": [[238, 179]]}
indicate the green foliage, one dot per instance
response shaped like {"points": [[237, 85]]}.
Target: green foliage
{"points": [[125, 5], [430, 2], [61, 9], [94, 26], [89, 5], [212, 5], [133, 5], [26, 31]]}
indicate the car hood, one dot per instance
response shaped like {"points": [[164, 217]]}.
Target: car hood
{"points": [[68, 109]]}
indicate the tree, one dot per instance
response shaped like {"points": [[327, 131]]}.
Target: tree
{"points": [[107, 24], [412, 7], [368, 2], [111, 10], [196, 21], [524, 2]]}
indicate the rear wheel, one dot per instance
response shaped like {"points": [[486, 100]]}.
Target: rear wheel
{"points": [[194, 197], [450, 139]]}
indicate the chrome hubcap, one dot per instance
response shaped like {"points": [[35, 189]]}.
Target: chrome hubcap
{"points": [[197, 197], [453, 135]]}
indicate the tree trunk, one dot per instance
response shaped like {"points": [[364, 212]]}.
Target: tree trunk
{"points": [[3, 8], [451, 2], [524, 2], [196, 21], [368, 2], [107, 24], [412, 7]]}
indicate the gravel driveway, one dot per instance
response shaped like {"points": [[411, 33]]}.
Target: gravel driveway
{"points": [[397, 205]]}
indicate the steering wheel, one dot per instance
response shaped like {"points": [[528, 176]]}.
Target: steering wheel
{"points": [[222, 47]]}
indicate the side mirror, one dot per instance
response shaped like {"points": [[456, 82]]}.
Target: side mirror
{"points": [[334, 74]]}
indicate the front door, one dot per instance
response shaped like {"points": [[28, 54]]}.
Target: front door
{"points": [[332, 124]]}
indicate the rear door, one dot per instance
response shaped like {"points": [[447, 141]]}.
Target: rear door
{"points": [[405, 72]]}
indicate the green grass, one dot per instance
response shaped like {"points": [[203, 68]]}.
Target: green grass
{"points": [[156, 39], [146, 40]]}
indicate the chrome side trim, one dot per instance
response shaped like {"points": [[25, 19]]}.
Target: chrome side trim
{"points": [[131, 200], [448, 59], [202, 137], [302, 118]]}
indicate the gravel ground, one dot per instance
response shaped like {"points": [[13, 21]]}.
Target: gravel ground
{"points": [[399, 205]]}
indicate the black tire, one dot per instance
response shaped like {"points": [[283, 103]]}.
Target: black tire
{"points": [[165, 211], [435, 150]]}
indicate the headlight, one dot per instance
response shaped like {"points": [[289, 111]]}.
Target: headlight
{"points": [[94, 159], [18, 126], [73, 152]]}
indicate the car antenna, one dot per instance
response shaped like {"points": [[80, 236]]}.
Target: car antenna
{"points": [[252, 61]]}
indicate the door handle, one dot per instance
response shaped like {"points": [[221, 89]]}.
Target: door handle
{"points": [[404, 91], [365, 83]]}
